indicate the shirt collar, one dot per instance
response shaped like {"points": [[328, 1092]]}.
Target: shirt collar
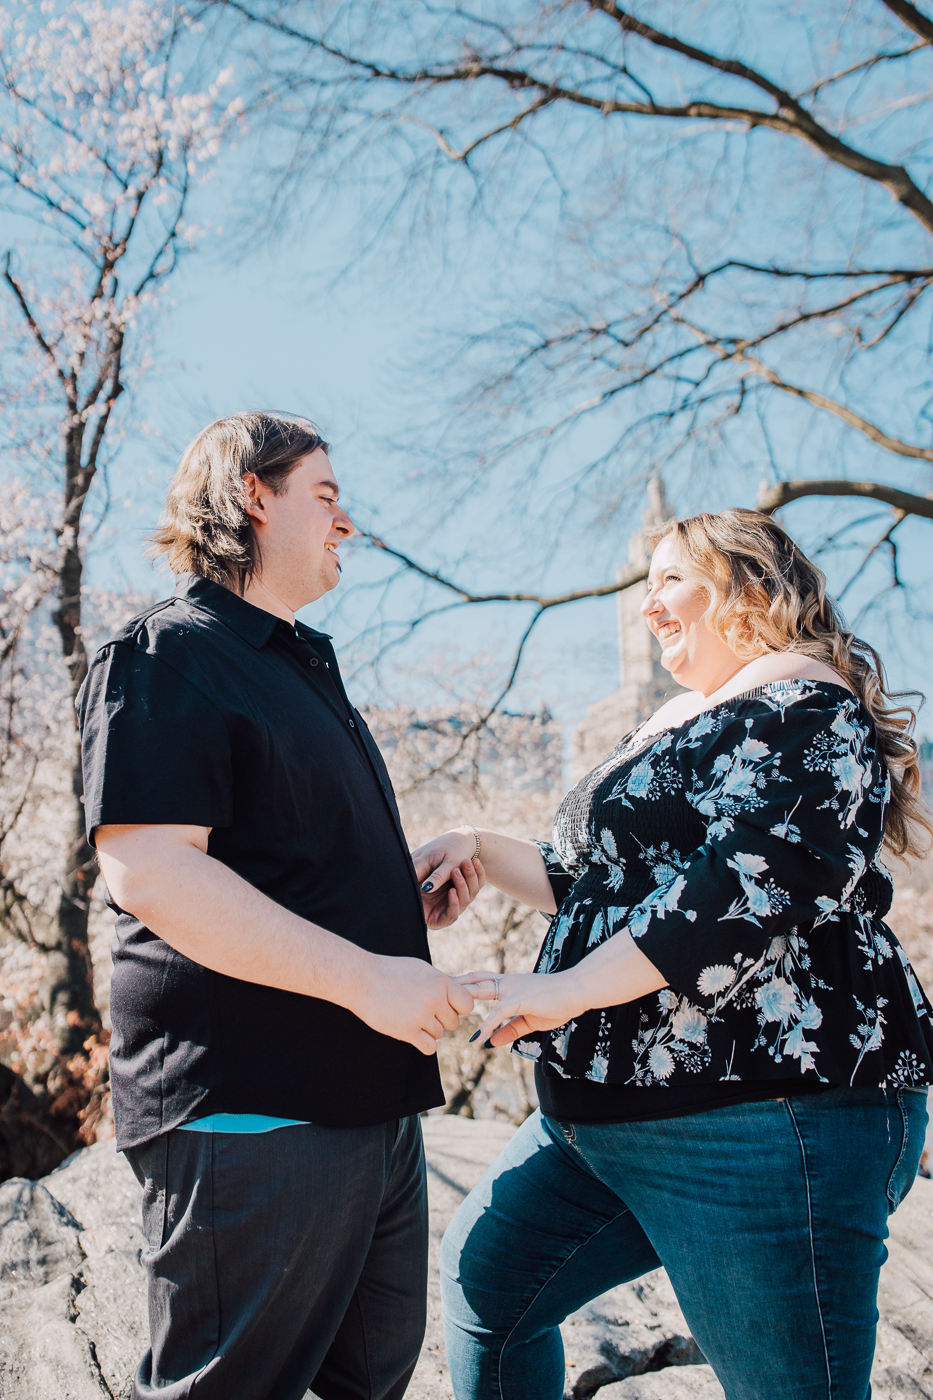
{"points": [[253, 624]]}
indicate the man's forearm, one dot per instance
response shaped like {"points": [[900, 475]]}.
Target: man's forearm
{"points": [[211, 915]]}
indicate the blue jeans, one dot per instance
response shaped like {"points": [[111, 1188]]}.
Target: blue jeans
{"points": [[770, 1219]]}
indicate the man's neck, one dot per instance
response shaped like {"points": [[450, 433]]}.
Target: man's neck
{"points": [[262, 596]]}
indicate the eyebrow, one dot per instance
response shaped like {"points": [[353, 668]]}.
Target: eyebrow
{"points": [[331, 485]]}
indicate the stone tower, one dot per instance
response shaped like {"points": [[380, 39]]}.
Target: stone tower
{"points": [[644, 683]]}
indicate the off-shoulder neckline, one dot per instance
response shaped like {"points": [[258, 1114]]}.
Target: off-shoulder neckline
{"points": [[785, 684]]}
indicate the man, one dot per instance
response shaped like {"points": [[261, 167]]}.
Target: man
{"points": [[274, 1009]]}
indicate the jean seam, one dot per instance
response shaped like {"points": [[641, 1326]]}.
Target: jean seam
{"points": [[905, 1133], [533, 1299], [816, 1286]]}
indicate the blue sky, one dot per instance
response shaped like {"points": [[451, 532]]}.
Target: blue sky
{"points": [[376, 347]]}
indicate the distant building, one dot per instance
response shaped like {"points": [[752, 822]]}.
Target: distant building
{"points": [[644, 683]]}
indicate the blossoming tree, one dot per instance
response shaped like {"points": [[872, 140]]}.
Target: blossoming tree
{"points": [[106, 128]]}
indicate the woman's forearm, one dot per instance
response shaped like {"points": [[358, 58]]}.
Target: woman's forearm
{"points": [[612, 974], [516, 867], [615, 972]]}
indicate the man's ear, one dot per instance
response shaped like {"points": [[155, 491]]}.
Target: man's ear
{"points": [[252, 497]]}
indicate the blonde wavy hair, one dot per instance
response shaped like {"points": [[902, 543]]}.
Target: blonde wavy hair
{"points": [[766, 595]]}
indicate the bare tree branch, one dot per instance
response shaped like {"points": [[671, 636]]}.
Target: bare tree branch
{"points": [[854, 420], [912, 17], [909, 503], [627, 577]]}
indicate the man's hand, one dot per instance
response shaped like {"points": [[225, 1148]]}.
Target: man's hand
{"points": [[409, 1000]]}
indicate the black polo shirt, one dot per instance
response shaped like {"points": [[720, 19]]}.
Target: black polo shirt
{"points": [[207, 711]]}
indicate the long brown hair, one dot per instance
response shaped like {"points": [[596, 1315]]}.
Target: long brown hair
{"points": [[766, 595], [205, 528]]}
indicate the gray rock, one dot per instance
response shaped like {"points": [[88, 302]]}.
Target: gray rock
{"points": [[632, 1329], [676, 1383], [74, 1311], [38, 1236]]}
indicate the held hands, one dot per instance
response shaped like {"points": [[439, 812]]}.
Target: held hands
{"points": [[409, 1000], [528, 1001], [449, 878]]}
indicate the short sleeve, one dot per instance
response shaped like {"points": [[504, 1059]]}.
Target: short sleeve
{"points": [[155, 750], [793, 797], [562, 880]]}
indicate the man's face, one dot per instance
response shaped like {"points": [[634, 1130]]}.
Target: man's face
{"points": [[299, 531]]}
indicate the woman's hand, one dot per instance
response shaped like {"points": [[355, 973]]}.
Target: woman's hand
{"points": [[449, 880], [449, 877], [528, 1001]]}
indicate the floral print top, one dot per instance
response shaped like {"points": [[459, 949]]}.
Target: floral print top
{"points": [[741, 851]]}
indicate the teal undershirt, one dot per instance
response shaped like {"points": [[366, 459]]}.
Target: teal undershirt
{"points": [[240, 1123]]}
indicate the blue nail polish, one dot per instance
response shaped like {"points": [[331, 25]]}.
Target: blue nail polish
{"points": [[427, 887], [475, 1035], [488, 1045]]}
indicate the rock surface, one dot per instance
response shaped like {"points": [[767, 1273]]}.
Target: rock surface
{"points": [[73, 1295]]}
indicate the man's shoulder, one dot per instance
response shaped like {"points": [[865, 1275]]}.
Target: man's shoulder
{"points": [[172, 641], [165, 629]]}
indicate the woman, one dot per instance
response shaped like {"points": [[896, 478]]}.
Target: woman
{"points": [[731, 1050]]}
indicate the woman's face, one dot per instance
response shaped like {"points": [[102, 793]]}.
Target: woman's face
{"points": [[673, 610]]}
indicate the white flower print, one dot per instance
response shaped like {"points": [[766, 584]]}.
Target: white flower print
{"points": [[664, 901], [909, 1070], [560, 1037], [715, 979], [689, 1023], [662, 860], [799, 1048], [841, 751], [661, 1062], [531, 1049], [606, 853], [707, 723], [597, 931], [599, 1065], [759, 900], [870, 1034], [678, 1038], [777, 999], [652, 777], [737, 780], [786, 829]]}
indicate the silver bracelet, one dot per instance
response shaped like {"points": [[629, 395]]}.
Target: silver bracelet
{"points": [[479, 844]]}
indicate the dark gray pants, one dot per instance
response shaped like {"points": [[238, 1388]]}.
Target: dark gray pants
{"points": [[283, 1261]]}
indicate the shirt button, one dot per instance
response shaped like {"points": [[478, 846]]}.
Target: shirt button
{"points": [[313, 661], [351, 723]]}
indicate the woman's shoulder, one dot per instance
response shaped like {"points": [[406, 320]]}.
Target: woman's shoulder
{"points": [[801, 706], [779, 667]]}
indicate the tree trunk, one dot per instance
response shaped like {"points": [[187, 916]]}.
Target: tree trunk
{"points": [[70, 1090]]}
